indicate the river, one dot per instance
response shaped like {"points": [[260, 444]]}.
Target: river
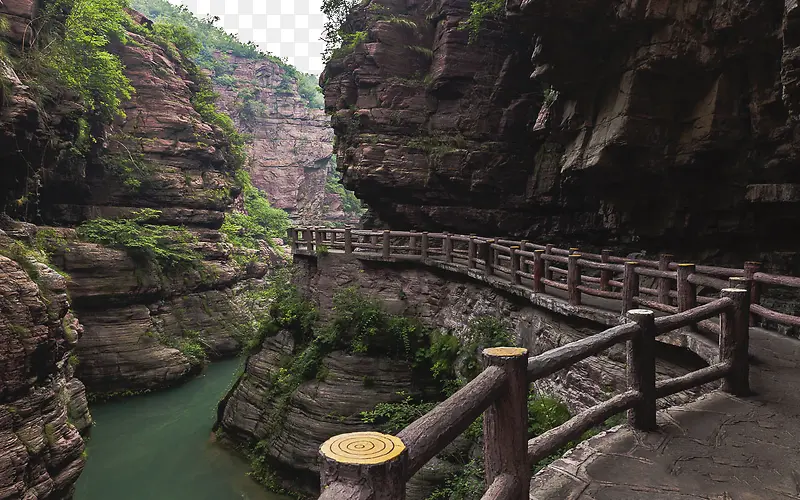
{"points": [[159, 446]]}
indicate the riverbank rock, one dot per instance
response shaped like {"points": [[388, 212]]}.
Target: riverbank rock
{"points": [[42, 407]]}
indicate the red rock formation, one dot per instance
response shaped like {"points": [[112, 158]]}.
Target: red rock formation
{"points": [[674, 126], [290, 142], [42, 407], [161, 155]]}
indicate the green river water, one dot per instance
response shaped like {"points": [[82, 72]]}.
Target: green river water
{"points": [[159, 446]]}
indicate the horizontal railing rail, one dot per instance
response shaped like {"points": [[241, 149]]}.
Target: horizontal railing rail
{"points": [[663, 285], [374, 465]]}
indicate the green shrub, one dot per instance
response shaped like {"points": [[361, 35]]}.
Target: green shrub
{"points": [[481, 11], [335, 31], [392, 418], [169, 246], [333, 185], [73, 49], [261, 222], [308, 88], [482, 332]]}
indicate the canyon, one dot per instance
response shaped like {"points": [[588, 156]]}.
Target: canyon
{"points": [[128, 254]]}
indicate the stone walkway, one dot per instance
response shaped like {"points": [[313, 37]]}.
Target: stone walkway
{"points": [[720, 447]]}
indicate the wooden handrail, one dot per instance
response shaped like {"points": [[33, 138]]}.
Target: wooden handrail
{"points": [[664, 271], [500, 389], [428, 435]]}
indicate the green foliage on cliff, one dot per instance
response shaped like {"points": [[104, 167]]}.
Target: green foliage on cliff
{"points": [[335, 32], [71, 51], [260, 222], [333, 185], [481, 12], [169, 246], [208, 45]]}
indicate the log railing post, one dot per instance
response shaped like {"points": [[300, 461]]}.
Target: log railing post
{"points": [[412, 243], [605, 274], [687, 292], [387, 243], [630, 286], [486, 255], [523, 266], [472, 250], [548, 250], [738, 282], [309, 240], [292, 236], [734, 341], [363, 465], [515, 267], [574, 279], [751, 268], [448, 247], [373, 239], [641, 370], [505, 422], [318, 237], [348, 240], [538, 271], [664, 284], [495, 254], [424, 245]]}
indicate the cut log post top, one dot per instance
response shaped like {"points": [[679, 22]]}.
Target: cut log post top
{"points": [[363, 465]]}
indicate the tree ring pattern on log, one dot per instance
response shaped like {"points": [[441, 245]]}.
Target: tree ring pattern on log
{"points": [[505, 351], [363, 448]]}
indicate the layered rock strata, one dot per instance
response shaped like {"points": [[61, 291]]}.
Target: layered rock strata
{"points": [[42, 406], [672, 125], [163, 155], [290, 141]]}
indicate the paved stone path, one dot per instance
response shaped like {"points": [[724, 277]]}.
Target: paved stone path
{"points": [[720, 447]]}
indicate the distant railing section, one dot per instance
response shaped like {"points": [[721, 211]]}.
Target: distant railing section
{"points": [[377, 466], [663, 285]]}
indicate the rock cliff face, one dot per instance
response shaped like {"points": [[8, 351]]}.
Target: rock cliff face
{"points": [[42, 406], [674, 126], [321, 409], [291, 141], [162, 155]]}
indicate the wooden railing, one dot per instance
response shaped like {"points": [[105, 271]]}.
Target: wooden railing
{"points": [[377, 466], [663, 285]]}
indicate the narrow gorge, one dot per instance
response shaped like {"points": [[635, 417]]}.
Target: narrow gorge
{"points": [[159, 335]]}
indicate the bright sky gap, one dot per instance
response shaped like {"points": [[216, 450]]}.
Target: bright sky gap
{"points": [[290, 29]]}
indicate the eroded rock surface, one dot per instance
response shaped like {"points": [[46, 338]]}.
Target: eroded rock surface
{"points": [[42, 407], [291, 142], [162, 154], [674, 126]]}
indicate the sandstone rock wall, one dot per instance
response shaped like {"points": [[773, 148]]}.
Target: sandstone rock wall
{"points": [[673, 128], [291, 143], [161, 155], [42, 407], [320, 409]]}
